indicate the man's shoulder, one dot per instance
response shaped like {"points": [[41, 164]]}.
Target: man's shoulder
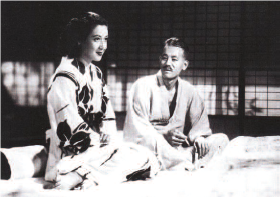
{"points": [[146, 80], [189, 89], [187, 84], [143, 86]]}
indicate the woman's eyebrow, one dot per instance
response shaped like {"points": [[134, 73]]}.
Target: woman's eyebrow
{"points": [[99, 36]]}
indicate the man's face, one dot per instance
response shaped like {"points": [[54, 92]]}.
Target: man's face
{"points": [[172, 62]]}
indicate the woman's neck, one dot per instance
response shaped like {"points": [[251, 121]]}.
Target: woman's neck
{"points": [[170, 83], [86, 63]]}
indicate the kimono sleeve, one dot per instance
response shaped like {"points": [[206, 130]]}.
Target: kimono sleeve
{"points": [[197, 119], [62, 98], [137, 127], [139, 130], [108, 125]]}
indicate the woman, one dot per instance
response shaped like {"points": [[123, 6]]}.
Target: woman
{"points": [[83, 148]]}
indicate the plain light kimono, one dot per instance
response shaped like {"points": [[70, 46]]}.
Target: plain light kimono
{"points": [[80, 112], [149, 106]]}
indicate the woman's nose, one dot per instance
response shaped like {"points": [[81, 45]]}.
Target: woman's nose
{"points": [[103, 44]]}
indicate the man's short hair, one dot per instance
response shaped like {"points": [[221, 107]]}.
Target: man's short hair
{"points": [[176, 42]]}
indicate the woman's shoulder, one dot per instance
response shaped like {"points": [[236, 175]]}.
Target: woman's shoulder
{"points": [[68, 70], [66, 65]]}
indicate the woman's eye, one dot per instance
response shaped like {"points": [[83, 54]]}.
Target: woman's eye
{"points": [[96, 39], [174, 60]]}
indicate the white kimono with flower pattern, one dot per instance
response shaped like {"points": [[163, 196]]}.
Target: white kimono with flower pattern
{"points": [[79, 112]]}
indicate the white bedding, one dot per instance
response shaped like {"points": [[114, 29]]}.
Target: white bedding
{"points": [[247, 167]]}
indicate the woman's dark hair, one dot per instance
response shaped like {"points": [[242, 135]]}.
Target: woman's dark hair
{"points": [[77, 31], [176, 42]]}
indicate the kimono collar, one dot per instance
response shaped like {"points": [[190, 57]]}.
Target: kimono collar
{"points": [[79, 65], [160, 79]]}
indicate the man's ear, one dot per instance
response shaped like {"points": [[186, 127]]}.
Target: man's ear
{"points": [[186, 64]]}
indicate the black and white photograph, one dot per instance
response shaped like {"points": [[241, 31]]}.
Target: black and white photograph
{"points": [[140, 98]]}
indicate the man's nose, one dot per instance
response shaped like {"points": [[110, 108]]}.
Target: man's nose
{"points": [[168, 61]]}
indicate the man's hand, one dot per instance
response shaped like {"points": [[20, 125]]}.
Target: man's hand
{"points": [[201, 146], [171, 133], [175, 138], [164, 129]]}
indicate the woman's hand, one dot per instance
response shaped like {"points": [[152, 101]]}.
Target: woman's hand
{"points": [[68, 181], [104, 139]]}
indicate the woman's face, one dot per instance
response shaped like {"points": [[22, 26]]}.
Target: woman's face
{"points": [[95, 44]]}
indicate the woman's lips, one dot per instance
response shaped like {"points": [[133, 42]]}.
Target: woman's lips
{"points": [[99, 53]]}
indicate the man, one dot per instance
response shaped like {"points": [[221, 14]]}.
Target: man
{"points": [[167, 115]]}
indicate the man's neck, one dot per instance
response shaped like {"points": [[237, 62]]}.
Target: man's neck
{"points": [[170, 83]]}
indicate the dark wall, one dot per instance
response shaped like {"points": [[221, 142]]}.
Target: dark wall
{"points": [[24, 126], [30, 30]]}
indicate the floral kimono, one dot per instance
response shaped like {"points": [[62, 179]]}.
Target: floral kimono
{"points": [[80, 113]]}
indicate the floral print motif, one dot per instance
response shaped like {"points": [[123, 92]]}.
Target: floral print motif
{"points": [[76, 143], [85, 111], [105, 99], [84, 97], [86, 94]]}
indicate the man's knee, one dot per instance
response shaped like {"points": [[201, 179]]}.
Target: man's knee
{"points": [[219, 140], [216, 144]]}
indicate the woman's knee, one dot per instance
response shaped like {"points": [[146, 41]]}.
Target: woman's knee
{"points": [[40, 163], [24, 162]]}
